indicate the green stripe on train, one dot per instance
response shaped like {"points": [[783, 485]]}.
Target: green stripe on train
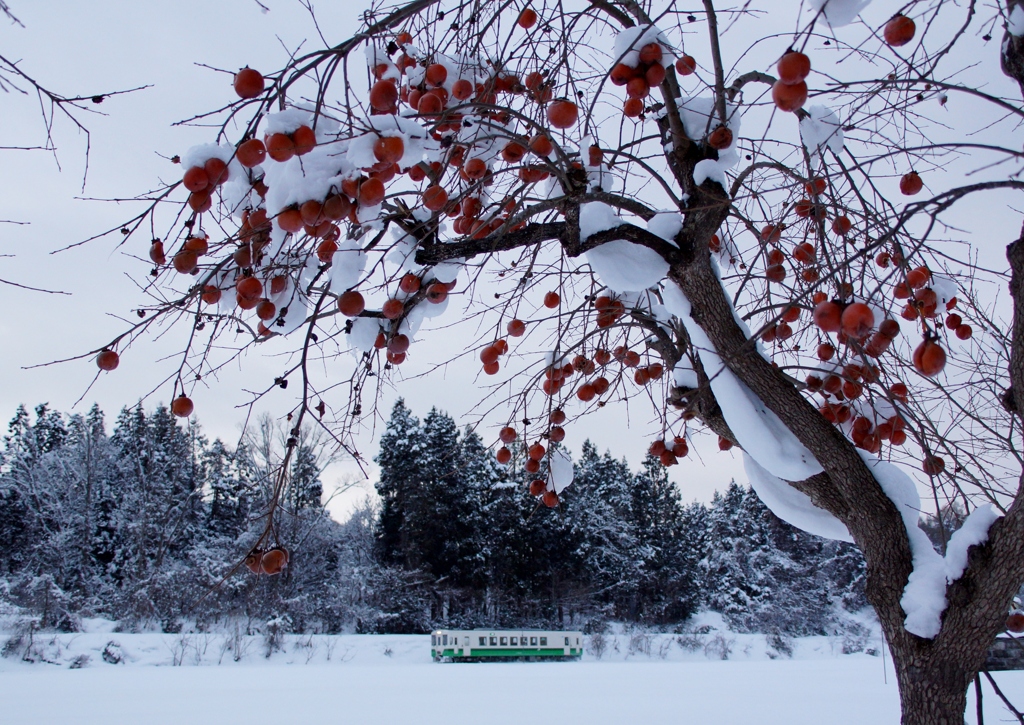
{"points": [[479, 652]]}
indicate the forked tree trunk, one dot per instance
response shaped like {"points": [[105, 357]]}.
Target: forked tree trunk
{"points": [[933, 674]]}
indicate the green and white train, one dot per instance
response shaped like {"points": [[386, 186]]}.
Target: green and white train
{"points": [[478, 645]]}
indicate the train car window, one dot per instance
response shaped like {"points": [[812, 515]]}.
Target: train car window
{"points": [[566, 641], [543, 641], [515, 641], [483, 641], [444, 639], [577, 641], [433, 642], [533, 641], [494, 641], [504, 641]]}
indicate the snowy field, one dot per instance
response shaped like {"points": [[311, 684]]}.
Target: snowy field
{"points": [[223, 679]]}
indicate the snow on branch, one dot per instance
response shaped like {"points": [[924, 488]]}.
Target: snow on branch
{"points": [[821, 129], [1016, 23], [758, 430], [924, 597], [793, 506], [839, 12]]}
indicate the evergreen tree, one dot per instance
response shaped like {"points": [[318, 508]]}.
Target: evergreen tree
{"points": [[156, 511], [734, 586], [601, 538], [15, 521], [229, 499], [304, 486], [87, 464], [479, 473], [667, 589], [764, 575], [439, 518], [507, 543], [400, 475]]}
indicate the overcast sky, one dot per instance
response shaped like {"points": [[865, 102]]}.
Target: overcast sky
{"points": [[87, 48]]}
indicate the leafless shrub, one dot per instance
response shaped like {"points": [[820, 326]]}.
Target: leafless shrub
{"points": [[639, 643], [597, 644], [112, 653], [690, 641], [718, 647], [779, 644], [274, 634]]}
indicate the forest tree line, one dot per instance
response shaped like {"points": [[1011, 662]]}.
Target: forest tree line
{"points": [[147, 525]]}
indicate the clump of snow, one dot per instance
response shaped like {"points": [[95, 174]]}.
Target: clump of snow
{"points": [[199, 155], [597, 217], [839, 12], [973, 531], [98, 625], [666, 224], [427, 311], [944, 288], [312, 176], [347, 266], [740, 322], [378, 56], [599, 174], [447, 272], [288, 121], [627, 267], [793, 506], [1016, 23], [924, 598], [369, 217], [560, 471], [710, 169], [293, 313], [237, 193], [700, 118], [411, 323], [758, 430], [629, 42], [684, 376], [821, 129], [660, 313], [403, 252], [281, 298], [418, 145]]}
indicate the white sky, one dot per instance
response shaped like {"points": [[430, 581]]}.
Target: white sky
{"points": [[86, 48]]}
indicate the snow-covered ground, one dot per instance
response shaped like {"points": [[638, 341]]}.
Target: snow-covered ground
{"points": [[390, 679]]}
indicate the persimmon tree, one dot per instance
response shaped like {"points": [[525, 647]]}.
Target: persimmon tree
{"points": [[576, 176]]}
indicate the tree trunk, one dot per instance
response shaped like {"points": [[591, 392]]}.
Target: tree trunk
{"points": [[933, 675], [929, 700]]}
